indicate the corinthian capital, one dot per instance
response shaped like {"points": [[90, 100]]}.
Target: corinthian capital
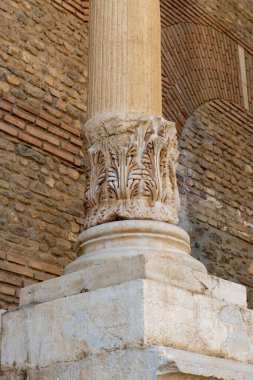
{"points": [[130, 167]]}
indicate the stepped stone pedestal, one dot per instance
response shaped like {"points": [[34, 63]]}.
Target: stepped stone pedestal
{"points": [[136, 307]]}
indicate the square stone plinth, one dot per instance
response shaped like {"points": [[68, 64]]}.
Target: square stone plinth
{"points": [[133, 315], [147, 267]]}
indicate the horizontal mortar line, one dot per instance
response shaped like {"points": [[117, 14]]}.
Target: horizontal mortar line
{"points": [[20, 135]]}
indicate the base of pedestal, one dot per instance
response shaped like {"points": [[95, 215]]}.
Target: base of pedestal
{"points": [[110, 333], [153, 363]]}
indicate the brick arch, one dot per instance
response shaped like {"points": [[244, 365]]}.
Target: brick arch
{"points": [[199, 64]]}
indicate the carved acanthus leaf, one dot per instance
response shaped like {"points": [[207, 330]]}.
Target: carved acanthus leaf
{"points": [[131, 174]]}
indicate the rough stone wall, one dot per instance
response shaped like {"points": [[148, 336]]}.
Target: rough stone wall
{"points": [[43, 74], [40, 216], [215, 179], [235, 16]]}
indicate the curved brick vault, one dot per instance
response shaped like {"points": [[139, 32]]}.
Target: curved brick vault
{"points": [[203, 92], [199, 64], [204, 52]]}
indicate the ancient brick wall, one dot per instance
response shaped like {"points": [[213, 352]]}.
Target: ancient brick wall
{"points": [[207, 89], [214, 58], [40, 216], [79, 8], [43, 75], [43, 67]]}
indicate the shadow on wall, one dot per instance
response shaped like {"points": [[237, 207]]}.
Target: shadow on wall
{"points": [[207, 90], [215, 182]]}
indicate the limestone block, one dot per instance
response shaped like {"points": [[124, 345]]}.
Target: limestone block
{"points": [[13, 375], [73, 327], [182, 365], [138, 313], [197, 323], [181, 376]]}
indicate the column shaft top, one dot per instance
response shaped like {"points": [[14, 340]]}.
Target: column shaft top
{"points": [[125, 57]]}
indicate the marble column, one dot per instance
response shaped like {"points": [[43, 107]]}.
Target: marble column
{"points": [[124, 57], [130, 152]]}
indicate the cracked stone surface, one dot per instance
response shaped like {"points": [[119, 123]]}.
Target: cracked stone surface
{"points": [[136, 314], [153, 363]]}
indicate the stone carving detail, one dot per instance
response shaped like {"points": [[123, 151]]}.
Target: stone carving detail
{"points": [[130, 166]]}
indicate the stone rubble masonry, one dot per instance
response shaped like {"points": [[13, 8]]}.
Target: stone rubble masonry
{"points": [[40, 216], [215, 181]]}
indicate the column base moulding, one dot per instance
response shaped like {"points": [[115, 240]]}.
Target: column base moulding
{"points": [[117, 252]]}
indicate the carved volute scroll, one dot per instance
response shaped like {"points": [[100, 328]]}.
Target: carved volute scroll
{"points": [[130, 165]]}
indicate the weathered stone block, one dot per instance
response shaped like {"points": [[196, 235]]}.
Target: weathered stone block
{"points": [[157, 268], [154, 363], [136, 314]]}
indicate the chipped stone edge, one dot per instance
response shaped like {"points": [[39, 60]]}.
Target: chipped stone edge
{"points": [[161, 360], [202, 365]]}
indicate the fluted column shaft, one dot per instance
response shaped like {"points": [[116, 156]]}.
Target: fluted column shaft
{"points": [[130, 151], [125, 57]]}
